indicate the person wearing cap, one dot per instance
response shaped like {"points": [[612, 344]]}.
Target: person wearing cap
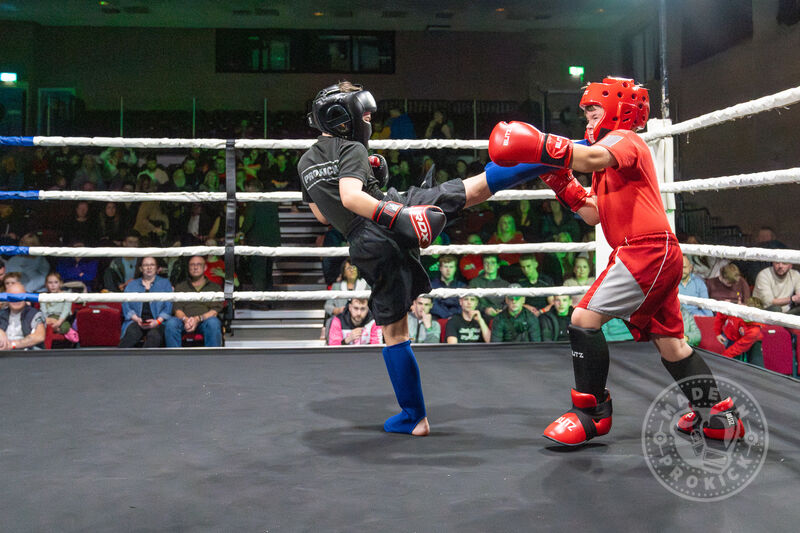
{"points": [[516, 323]]}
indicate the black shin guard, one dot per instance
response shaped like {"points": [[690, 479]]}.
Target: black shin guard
{"points": [[701, 393], [589, 360]]}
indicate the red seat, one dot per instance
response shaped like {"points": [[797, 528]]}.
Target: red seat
{"points": [[443, 325], [192, 339], [708, 339], [776, 346], [51, 336], [99, 325]]}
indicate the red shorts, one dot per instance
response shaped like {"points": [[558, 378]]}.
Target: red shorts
{"points": [[640, 286]]}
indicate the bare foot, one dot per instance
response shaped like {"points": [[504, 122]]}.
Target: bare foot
{"points": [[422, 429]]}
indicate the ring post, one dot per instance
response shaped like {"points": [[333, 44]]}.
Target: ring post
{"points": [[230, 226]]}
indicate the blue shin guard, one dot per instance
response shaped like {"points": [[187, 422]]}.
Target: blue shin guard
{"points": [[404, 374], [501, 178]]}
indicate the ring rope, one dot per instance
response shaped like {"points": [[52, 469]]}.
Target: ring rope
{"points": [[756, 179], [745, 109], [743, 311]]}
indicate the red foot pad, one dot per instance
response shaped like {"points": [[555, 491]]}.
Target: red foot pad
{"points": [[723, 422], [586, 420]]}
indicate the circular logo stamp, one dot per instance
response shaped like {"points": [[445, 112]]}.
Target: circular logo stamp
{"points": [[708, 458]]}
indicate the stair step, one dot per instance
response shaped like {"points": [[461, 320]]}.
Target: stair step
{"points": [[237, 325], [288, 264], [277, 334], [303, 230], [317, 343], [254, 314]]}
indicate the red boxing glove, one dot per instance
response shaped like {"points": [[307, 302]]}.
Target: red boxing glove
{"points": [[518, 142], [418, 225], [568, 190], [379, 169]]}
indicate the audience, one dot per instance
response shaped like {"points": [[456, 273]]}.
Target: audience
{"points": [[422, 326], [691, 285], [446, 307], [121, 270], [22, 326], [530, 270], [56, 314], [490, 306], [145, 319], [77, 270], [515, 323], [730, 286], [354, 326], [554, 322], [581, 277], [778, 287], [469, 325], [34, 268], [349, 281], [195, 317], [736, 334]]}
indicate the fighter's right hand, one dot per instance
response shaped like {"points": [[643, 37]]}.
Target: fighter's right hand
{"points": [[418, 224], [568, 190], [517, 142]]}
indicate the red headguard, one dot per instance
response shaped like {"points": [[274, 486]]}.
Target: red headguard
{"points": [[625, 106]]}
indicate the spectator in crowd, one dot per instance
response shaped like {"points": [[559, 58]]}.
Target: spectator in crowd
{"points": [[198, 224], [400, 125], [422, 326], [283, 176], [65, 160], [145, 319], [354, 325], [581, 276], [446, 307], [22, 326], [11, 223], [192, 176], [122, 269], [691, 333], [616, 330], [33, 268], [156, 174], [469, 325], [82, 227], [705, 267], [471, 265], [439, 127], [507, 234], [532, 278], [111, 227], [528, 221], [490, 306], [152, 223], [10, 279], [515, 323], [691, 285], [736, 334], [766, 238], [87, 173], [195, 317], [215, 268], [556, 221], [78, 269], [554, 322], [112, 158], [261, 226], [215, 178], [730, 286], [350, 281], [778, 287], [56, 314]]}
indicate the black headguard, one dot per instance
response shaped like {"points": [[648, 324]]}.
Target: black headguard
{"points": [[342, 114]]}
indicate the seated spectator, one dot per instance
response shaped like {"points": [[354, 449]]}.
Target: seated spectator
{"points": [[706, 267], [691, 285], [12, 224], [350, 281], [261, 226], [88, 172], [616, 330], [554, 323], [145, 319], [215, 268], [490, 306], [112, 158], [582, 277], [33, 268], [78, 269], [515, 323], [153, 172], [439, 127], [766, 238], [354, 325], [531, 278], [507, 234], [778, 287], [198, 224], [469, 325], [81, 227], [471, 265], [22, 326], [691, 332], [446, 307], [529, 221], [191, 317], [152, 223], [122, 269], [10, 279], [56, 314], [422, 326], [730, 286], [400, 125], [736, 335], [558, 220], [111, 226]]}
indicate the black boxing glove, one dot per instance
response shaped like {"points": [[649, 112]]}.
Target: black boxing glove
{"points": [[379, 169], [417, 225]]}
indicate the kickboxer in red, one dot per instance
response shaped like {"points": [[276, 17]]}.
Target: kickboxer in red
{"points": [[640, 284]]}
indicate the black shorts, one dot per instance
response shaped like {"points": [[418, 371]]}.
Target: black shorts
{"points": [[391, 268]]}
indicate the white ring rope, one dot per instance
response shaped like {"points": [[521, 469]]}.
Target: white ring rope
{"points": [[743, 311], [743, 253], [745, 109], [757, 179]]}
